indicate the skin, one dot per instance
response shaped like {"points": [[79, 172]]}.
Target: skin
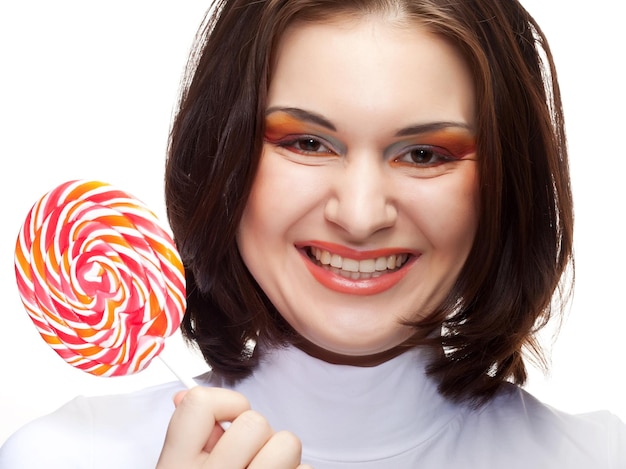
{"points": [[349, 102], [368, 154]]}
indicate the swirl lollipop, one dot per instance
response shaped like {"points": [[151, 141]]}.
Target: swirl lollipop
{"points": [[101, 280]]}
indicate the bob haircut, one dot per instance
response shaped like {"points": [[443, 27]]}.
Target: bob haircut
{"points": [[515, 271]]}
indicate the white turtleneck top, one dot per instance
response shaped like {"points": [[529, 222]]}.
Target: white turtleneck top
{"points": [[388, 416]]}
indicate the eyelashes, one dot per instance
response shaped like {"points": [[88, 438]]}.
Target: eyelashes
{"points": [[422, 155], [425, 155], [305, 145], [315, 140]]}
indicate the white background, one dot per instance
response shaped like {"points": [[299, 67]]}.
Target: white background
{"points": [[87, 90]]}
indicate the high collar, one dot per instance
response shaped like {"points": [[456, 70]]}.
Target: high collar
{"points": [[341, 410]]}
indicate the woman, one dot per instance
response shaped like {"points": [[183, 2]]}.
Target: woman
{"points": [[372, 202], [429, 134]]}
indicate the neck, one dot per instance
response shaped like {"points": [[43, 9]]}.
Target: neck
{"points": [[373, 412]]}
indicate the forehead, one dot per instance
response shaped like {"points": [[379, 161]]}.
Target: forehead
{"points": [[371, 65]]}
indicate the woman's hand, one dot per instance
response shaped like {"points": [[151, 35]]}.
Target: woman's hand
{"points": [[196, 440]]}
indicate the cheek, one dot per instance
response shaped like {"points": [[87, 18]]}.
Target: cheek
{"points": [[267, 196], [446, 209], [268, 189], [463, 207], [284, 191]]}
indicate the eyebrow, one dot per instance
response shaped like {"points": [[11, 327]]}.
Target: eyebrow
{"points": [[303, 115], [431, 127], [314, 118]]}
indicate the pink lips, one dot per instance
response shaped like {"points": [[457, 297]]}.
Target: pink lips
{"points": [[363, 286]]}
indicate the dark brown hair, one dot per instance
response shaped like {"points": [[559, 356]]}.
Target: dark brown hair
{"points": [[523, 243]]}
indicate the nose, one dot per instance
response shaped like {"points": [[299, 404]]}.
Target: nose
{"points": [[361, 202]]}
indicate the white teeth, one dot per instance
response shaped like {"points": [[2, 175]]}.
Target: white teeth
{"points": [[350, 265], [368, 266], [381, 263], [323, 257], [352, 268]]}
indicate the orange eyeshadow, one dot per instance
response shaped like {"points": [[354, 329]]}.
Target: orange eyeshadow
{"points": [[459, 142], [280, 124]]}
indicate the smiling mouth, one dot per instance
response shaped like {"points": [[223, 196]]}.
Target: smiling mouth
{"points": [[355, 269]]}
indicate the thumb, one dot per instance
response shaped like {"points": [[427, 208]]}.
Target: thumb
{"points": [[193, 427]]}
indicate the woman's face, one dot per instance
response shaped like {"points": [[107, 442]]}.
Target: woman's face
{"points": [[364, 207]]}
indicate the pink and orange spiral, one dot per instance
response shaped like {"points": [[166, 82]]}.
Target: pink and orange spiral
{"points": [[100, 278]]}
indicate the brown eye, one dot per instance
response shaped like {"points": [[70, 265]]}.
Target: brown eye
{"points": [[425, 156], [422, 156], [309, 144], [305, 145]]}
